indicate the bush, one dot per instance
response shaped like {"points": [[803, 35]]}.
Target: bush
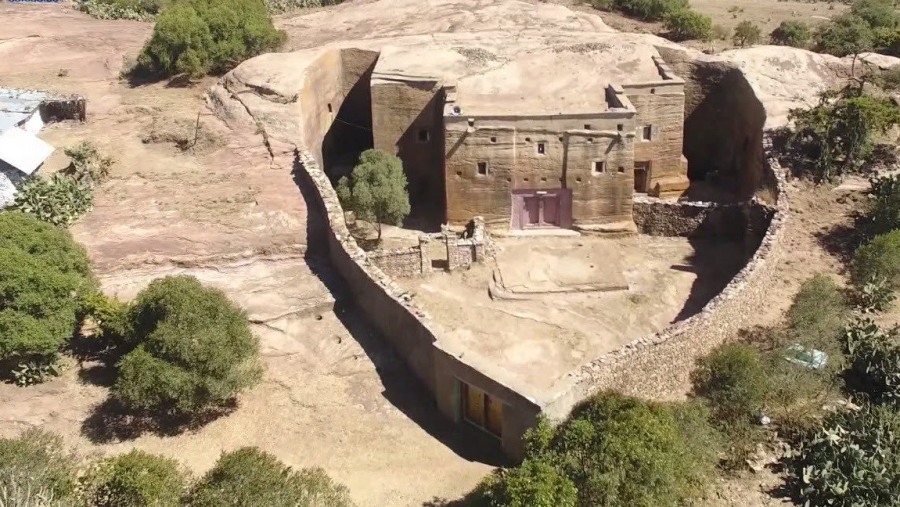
{"points": [[136, 479], [877, 13], [845, 35], [42, 273], [611, 448], [791, 33], [197, 37], [189, 349], [58, 199], [852, 459], [721, 32], [882, 213], [88, 166], [35, 466], [746, 33], [686, 24], [647, 10], [534, 483], [819, 312], [878, 259], [138, 10], [376, 189], [874, 361], [837, 136], [249, 477]]}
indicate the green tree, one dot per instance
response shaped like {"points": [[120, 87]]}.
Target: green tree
{"points": [[882, 214], [42, 274], [189, 348], [838, 135], [847, 35], [135, 479], [249, 477], [746, 33], [878, 259], [791, 33], [852, 459], [686, 24], [734, 382], [197, 37], [35, 469], [877, 13], [376, 189], [650, 10]]}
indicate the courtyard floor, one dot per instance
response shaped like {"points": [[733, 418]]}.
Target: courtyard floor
{"points": [[578, 298]]}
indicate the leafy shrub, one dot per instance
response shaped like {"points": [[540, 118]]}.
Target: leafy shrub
{"points": [[853, 459], [875, 296], [721, 32], [33, 372], [249, 477], [647, 10], [686, 24], [136, 479], [611, 448], [376, 189], [791, 33], [746, 33], [110, 316], [58, 199], [35, 465], [282, 6], [189, 348], [818, 312], [837, 135], [137, 10], [197, 37], [877, 13], [534, 483], [42, 273], [878, 259], [88, 165], [845, 35], [882, 213], [874, 361]]}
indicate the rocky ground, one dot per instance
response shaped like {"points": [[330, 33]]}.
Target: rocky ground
{"points": [[229, 212]]}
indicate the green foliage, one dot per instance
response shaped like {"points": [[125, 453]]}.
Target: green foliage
{"points": [[534, 483], [189, 348], [878, 259], [58, 199], [647, 10], [282, 6], [110, 316], [877, 13], [875, 296], [33, 372], [33, 466], [791, 33], [249, 477], [376, 189], [852, 460], [136, 479], [720, 32], [746, 33], [138, 10], [837, 135], [686, 24], [42, 273], [611, 447], [198, 37], [818, 312], [882, 213], [874, 361], [846, 35], [88, 166]]}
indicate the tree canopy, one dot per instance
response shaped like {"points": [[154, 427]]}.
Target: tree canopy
{"points": [[376, 189]]}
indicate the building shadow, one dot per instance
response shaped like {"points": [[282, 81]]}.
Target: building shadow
{"points": [[715, 261], [401, 387]]}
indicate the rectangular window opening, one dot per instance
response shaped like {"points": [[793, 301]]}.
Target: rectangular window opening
{"points": [[482, 168], [599, 167], [424, 135], [329, 108], [587, 126], [481, 409], [647, 133], [541, 148]]}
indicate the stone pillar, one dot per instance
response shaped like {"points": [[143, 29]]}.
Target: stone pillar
{"points": [[478, 240], [424, 256]]}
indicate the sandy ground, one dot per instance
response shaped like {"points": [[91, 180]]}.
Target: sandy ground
{"points": [[532, 343]]}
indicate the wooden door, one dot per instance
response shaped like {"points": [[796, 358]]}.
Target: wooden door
{"points": [[532, 212], [641, 176], [550, 209]]}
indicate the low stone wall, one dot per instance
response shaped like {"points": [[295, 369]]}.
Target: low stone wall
{"points": [[403, 262], [405, 326], [64, 108], [658, 366], [657, 217]]}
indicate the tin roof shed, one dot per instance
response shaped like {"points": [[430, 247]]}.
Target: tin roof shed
{"points": [[23, 151]]}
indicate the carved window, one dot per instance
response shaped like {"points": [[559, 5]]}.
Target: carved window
{"points": [[424, 135], [599, 167], [587, 126], [541, 148], [647, 133], [481, 168]]}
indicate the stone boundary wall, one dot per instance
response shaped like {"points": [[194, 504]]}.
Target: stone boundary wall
{"points": [[400, 322], [657, 217], [64, 108], [413, 261], [402, 262], [658, 366]]}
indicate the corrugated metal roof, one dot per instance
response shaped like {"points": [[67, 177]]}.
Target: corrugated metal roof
{"points": [[17, 105], [22, 150]]}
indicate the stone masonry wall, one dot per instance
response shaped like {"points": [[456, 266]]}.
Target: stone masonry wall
{"points": [[658, 366], [656, 217], [401, 263]]}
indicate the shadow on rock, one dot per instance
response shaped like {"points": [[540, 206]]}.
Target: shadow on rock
{"points": [[110, 422]]}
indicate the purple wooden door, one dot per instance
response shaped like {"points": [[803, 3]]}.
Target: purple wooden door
{"points": [[541, 208], [532, 212], [549, 210]]}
